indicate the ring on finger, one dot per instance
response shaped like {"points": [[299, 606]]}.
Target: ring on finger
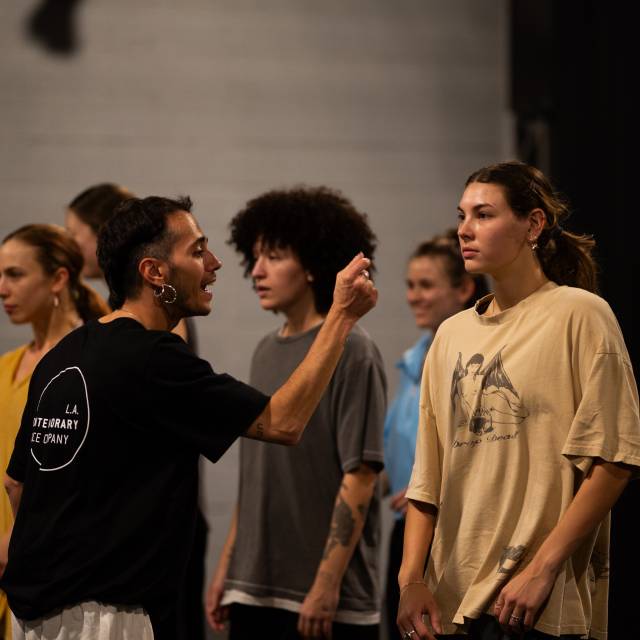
{"points": [[516, 619], [407, 634]]}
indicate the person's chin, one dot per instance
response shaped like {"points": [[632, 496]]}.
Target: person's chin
{"points": [[267, 305], [204, 309], [422, 319], [200, 309], [474, 266], [17, 319], [92, 274]]}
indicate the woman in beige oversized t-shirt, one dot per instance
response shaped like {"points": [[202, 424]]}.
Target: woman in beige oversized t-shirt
{"points": [[529, 431]]}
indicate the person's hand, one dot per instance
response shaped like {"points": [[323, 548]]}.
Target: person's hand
{"points": [[319, 609], [417, 600], [354, 292], [216, 614], [399, 501], [521, 599]]}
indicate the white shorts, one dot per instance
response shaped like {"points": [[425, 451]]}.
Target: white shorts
{"points": [[87, 621]]}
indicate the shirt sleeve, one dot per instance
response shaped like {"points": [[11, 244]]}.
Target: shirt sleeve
{"points": [[606, 423], [426, 477], [203, 409], [359, 406]]}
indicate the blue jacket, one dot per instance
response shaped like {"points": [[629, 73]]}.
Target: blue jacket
{"points": [[401, 423]]}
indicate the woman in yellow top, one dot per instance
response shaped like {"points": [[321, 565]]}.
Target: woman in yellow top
{"points": [[40, 284]]}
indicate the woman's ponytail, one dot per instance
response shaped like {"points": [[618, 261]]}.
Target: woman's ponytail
{"points": [[88, 303], [566, 258]]}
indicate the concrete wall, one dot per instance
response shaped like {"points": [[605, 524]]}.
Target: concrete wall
{"points": [[392, 102]]}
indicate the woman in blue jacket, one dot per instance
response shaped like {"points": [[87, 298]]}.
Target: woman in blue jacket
{"points": [[437, 287]]}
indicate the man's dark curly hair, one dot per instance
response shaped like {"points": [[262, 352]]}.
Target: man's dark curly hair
{"points": [[322, 228], [137, 229]]}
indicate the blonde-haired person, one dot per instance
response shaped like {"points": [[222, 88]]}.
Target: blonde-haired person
{"points": [[437, 287], [529, 431], [40, 285]]}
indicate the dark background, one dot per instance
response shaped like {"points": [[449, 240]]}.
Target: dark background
{"points": [[570, 91]]}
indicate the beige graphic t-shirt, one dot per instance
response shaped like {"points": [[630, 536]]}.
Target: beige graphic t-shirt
{"points": [[514, 408]]}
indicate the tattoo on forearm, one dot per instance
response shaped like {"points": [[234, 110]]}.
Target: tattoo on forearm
{"points": [[342, 527], [260, 430]]}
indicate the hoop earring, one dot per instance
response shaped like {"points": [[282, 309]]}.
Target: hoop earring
{"points": [[168, 297]]}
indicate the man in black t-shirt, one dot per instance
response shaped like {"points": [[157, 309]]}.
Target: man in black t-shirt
{"points": [[104, 469]]}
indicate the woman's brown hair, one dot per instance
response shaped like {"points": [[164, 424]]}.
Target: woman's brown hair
{"points": [[566, 257], [56, 249], [95, 205]]}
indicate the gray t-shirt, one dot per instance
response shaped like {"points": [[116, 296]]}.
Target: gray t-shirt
{"points": [[287, 494]]}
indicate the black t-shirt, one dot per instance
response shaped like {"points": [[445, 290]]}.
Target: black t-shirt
{"points": [[108, 448]]}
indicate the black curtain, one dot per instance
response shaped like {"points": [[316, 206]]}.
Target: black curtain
{"points": [[570, 93]]}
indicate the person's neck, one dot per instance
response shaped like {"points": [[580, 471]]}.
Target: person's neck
{"points": [[149, 313], [301, 318], [513, 287], [49, 329]]}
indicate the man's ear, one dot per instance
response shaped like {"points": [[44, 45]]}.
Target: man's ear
{"points": [[153, 271]]}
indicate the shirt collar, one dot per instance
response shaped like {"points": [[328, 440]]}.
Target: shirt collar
{"points": [[412, 359]]}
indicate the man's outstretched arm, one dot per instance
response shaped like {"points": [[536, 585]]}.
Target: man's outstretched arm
{"points": [[287, 413]]}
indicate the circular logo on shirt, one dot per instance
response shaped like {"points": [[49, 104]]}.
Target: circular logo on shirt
{"points": [[61, 420]]}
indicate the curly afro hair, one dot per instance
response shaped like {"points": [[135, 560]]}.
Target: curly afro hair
{"points": [[322, 228]]}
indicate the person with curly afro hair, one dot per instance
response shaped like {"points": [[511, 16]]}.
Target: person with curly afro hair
{"points": [[302, 552], [319, 225]]}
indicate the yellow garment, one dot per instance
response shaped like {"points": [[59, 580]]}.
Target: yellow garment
{"points": [[514, 409], [13, 397]]}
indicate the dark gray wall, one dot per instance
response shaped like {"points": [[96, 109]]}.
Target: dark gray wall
{"points": [[392, 102]]}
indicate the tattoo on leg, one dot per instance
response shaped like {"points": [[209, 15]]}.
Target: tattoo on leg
{"points": [[342, 526]]}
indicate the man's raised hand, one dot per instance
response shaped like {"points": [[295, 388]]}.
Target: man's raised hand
{"points": [[354, 293]]}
